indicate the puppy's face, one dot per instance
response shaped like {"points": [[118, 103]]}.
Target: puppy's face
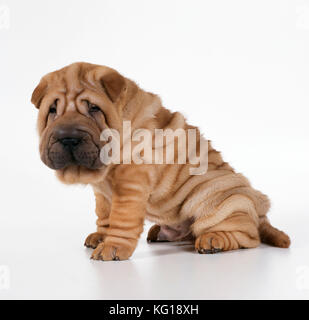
{"points": [[75, 104]]}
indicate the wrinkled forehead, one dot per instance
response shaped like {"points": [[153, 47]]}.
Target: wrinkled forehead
{"points": [[72, 80]]}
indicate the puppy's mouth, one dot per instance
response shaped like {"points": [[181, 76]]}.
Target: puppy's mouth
{"points": [[72, 147]]}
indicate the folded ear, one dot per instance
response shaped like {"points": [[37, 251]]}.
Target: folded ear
{"points": [[39, 93], [113, 83]]}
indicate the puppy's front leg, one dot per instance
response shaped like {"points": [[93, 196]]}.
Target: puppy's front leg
{"points": [[126, 220], [102, 210]]}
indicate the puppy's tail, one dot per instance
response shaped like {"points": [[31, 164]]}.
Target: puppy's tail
{"points": [[269, 234], [272, 236]]}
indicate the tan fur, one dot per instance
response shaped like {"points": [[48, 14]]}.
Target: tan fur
{"points": [[219, 209]]}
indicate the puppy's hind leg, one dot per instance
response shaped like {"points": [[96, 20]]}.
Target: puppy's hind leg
{"points": [[179, 232], [234, 224], [153, 234], [235, 232]]}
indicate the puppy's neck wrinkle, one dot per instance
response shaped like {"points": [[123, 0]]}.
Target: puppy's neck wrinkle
{"points": [[144, 109]]}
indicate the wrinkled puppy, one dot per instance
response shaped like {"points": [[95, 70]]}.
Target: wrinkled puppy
{"points": [[217, 209]]}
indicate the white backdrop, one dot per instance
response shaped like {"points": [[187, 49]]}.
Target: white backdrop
{"points": [[237, 69]]}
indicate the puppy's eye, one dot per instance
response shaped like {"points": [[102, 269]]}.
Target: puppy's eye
{"points": [[53, 107], [52, 110], [92, 107]]}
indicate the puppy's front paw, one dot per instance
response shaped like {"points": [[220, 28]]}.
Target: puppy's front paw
{"points": [[108, 251], [94, 239]]}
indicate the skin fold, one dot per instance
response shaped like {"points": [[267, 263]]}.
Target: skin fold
{"points": [[218, 210]]}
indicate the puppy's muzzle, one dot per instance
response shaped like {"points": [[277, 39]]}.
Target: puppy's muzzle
{"points": [[72, 145], [69, 137]]}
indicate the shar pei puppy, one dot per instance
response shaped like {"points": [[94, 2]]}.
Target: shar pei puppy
{"points": [[214, 206]]}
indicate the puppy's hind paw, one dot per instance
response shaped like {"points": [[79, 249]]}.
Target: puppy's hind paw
{"points": [[153, 233], [93, 240], [209, 243]]}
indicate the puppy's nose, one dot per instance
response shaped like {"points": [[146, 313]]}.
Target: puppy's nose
{"points": [[68, 136], [70, 142]]}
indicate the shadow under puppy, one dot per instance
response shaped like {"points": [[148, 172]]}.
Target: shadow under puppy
{"points": [[219, 209]]}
